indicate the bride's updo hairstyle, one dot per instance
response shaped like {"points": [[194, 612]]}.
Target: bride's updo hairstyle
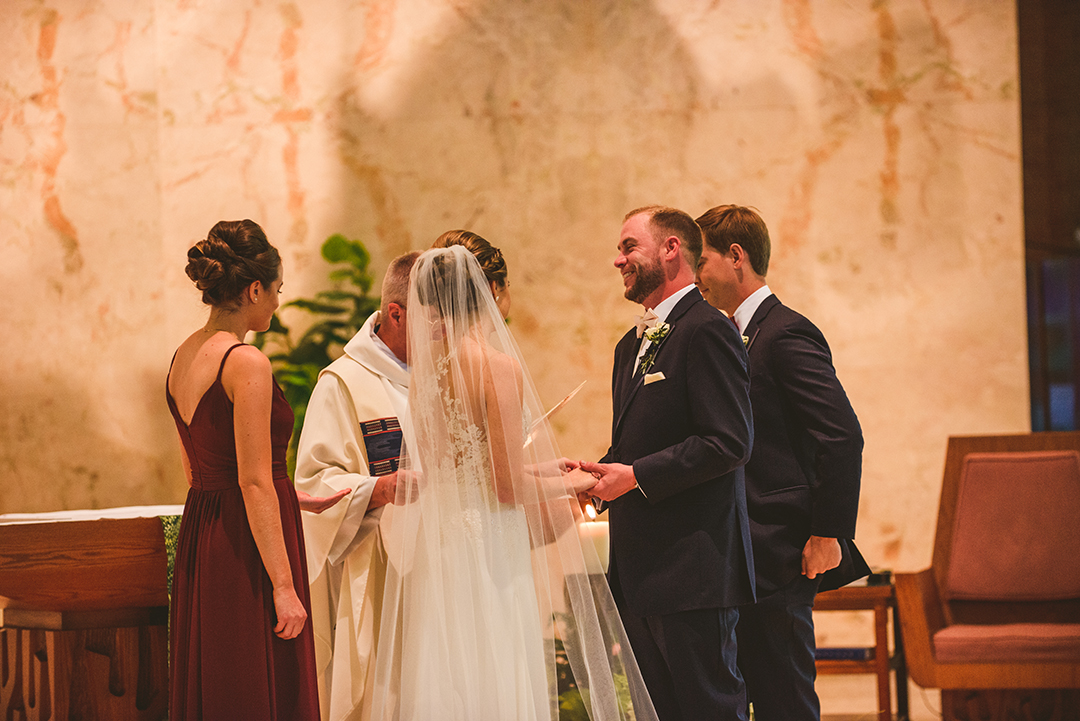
{"points": [[234, 255], [488, 256], [442, 283]]}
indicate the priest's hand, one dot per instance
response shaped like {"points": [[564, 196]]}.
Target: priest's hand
{"points": [[318, 504], [399, 487]]}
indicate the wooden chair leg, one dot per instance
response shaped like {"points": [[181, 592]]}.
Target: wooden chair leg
{"points": [[881, 659]]}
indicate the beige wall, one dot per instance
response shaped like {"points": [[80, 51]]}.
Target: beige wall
{"points": [[880, 141]]}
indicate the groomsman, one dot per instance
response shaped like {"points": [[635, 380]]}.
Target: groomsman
{"points": [[680, 540], [802, 480], [352, 440]]}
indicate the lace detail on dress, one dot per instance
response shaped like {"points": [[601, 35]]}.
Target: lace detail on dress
{"points": [[464, 470]]}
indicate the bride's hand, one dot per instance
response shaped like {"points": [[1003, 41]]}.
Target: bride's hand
{"points": [[579, 481]]}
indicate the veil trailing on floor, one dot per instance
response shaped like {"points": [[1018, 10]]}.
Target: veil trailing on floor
{"points": [[495, 606]]}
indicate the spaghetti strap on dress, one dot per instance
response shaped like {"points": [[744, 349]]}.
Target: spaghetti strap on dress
{"points": [[226, 662]]}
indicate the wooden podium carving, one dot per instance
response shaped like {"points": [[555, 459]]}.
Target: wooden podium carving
{"points": [[83, 621]]}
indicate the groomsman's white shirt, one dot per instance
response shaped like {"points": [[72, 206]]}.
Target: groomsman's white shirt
{"points": [[345, 556], [748, 307]]}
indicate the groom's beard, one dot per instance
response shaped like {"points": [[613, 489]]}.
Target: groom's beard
{"points": [[647, 278]]}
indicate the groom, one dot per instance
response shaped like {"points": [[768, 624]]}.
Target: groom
{"points": [[680, 540]]}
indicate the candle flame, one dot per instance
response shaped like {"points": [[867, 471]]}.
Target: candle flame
{"points": [[590, 511]]}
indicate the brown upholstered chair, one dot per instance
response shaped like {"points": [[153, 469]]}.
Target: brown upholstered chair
{"points": [[1000, 606]]}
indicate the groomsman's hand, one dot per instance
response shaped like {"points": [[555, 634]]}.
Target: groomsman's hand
{"points": [[615, 479], [819, 555]]}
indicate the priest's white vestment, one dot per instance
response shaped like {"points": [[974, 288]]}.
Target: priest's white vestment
{"points": [[350, 437]]}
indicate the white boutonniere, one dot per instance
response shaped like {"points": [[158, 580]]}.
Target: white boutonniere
{"points": [[655, 335]]}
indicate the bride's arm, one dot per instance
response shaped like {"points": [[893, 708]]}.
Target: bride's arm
{"points": [[502, 401], [547, 479]]}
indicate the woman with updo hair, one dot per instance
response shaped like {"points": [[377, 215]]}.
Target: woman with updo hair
{"points": [[490, 259], [489, 580], [241, 645]]}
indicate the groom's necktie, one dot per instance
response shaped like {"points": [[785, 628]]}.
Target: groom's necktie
{"points": [[643, 322]]}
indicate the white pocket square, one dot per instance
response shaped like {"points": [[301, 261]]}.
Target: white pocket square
{"points": [[653, 377]]}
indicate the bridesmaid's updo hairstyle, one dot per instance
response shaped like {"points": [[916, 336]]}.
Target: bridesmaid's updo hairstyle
{"points": [[234, 255], [488, 256]]}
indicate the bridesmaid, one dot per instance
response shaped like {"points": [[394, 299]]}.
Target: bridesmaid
{"points": [[241, 644]]}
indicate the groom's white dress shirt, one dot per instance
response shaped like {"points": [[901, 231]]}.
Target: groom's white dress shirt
{"points": [[662, 309]]}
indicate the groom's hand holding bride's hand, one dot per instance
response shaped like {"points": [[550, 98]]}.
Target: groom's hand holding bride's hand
{"points": [[579, 481], [613, 479]]}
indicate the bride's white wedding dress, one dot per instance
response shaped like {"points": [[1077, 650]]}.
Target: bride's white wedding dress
{"points": [[488, 576], [479, 653]]}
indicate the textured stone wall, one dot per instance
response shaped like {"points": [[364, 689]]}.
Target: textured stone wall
{"points": [[880, 141]]}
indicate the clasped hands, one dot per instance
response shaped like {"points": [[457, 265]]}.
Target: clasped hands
{"points": [[606, 481]]}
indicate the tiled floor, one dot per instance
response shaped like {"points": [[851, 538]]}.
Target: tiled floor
{"points": [[854, 698]]}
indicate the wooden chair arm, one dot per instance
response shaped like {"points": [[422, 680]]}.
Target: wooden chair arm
{"points": [[921, 616]]}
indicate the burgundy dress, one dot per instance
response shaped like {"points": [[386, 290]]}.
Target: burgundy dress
{"points": [[226, 662]]}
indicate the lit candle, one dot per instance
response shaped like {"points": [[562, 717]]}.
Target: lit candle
{"points": [[595, 534]]}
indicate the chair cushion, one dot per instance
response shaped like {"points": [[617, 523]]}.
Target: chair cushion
{"points": [[1015, 531], [1010, 642]]}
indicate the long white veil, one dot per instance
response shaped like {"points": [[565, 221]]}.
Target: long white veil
{"points": [[494, 607]]}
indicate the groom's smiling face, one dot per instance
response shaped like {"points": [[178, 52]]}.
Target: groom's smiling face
{"points": [[639, 259]]}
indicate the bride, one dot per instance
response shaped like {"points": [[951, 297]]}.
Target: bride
{"points": [[489, 584]]}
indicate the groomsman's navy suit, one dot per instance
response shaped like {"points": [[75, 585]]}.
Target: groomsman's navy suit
{"points": [[802, 479], [680, 543]]}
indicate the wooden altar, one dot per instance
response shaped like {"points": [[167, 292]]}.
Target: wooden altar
{"points": [[83, 621]]}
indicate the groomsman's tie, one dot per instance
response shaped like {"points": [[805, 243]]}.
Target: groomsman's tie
{"points": [[644, 322]]}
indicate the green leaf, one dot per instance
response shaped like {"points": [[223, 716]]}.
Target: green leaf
{"points": [[332, 295], [310, 353], [339, 249], [314, 306], [276, 326]]}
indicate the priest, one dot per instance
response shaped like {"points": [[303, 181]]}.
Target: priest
{"points": [[351, 439]]}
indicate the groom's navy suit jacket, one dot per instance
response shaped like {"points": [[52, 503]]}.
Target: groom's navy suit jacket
{"points": [[803, 476], [681, 540]]}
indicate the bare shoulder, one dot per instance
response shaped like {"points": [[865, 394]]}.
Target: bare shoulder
{"points": [[246, 365], [504, 370], [248, 359], [503, 364], [483, 355]]}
